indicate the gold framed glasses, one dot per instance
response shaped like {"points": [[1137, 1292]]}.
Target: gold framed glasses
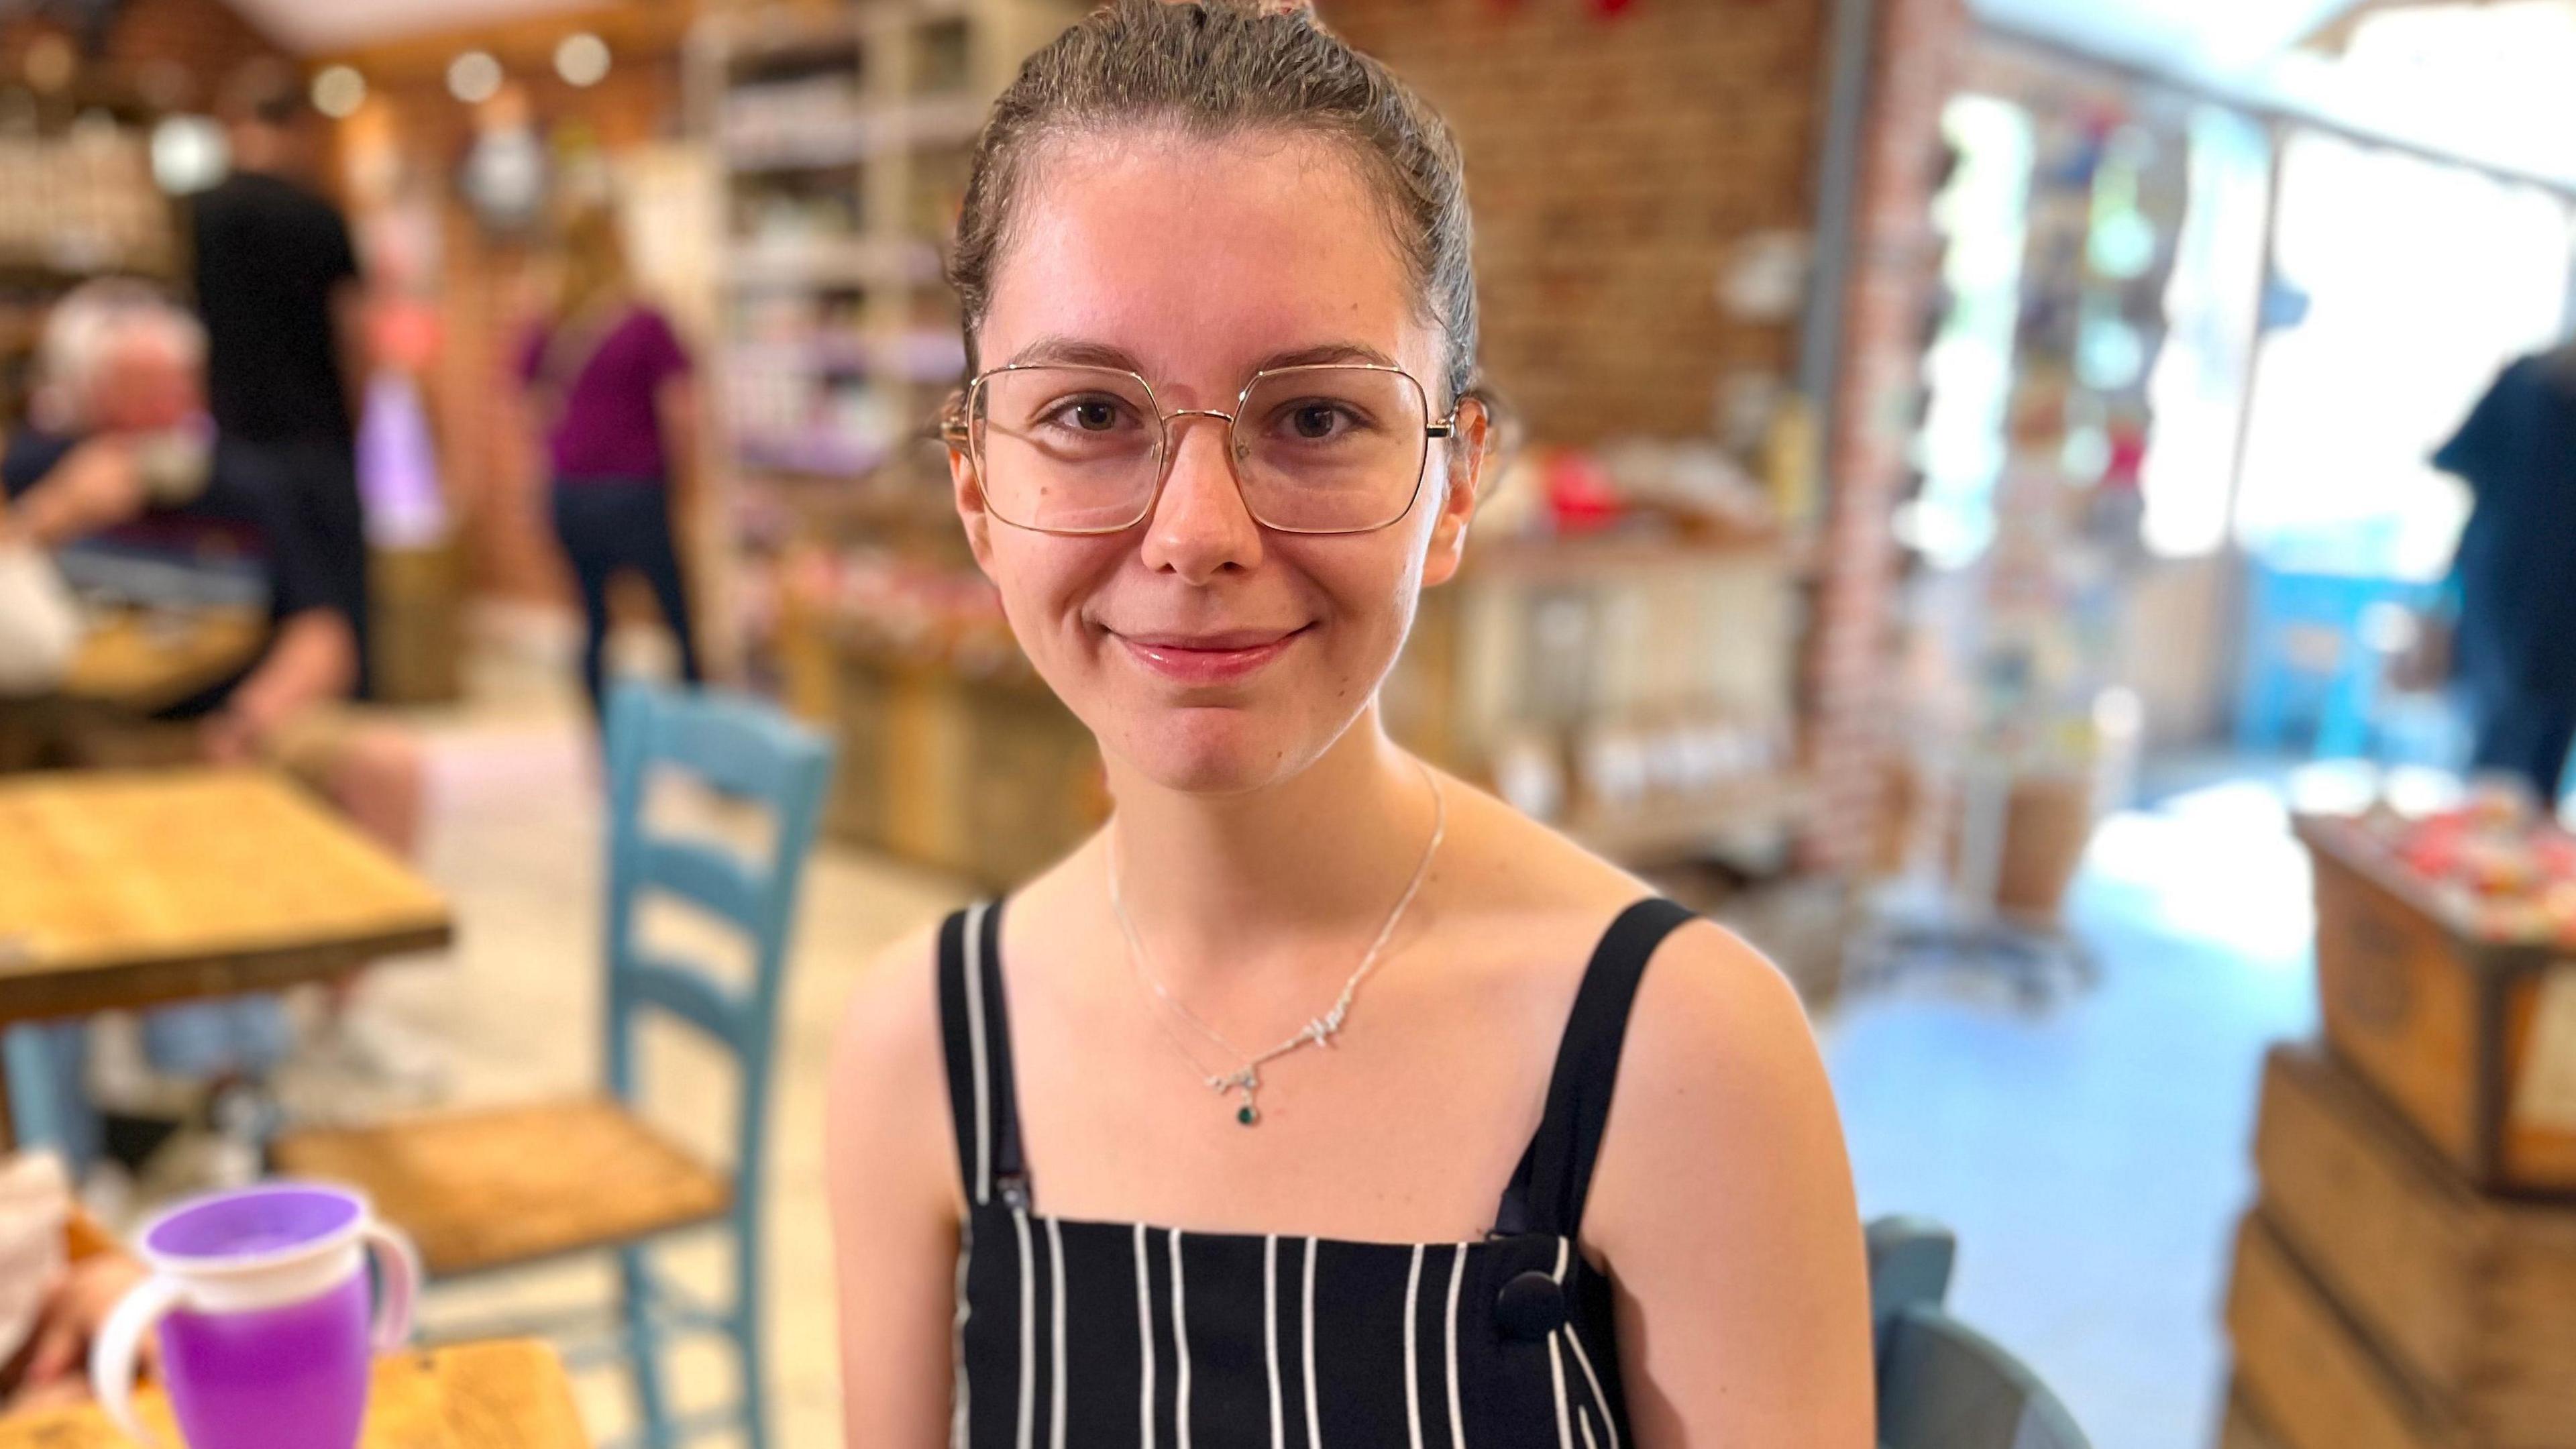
{"points": [[1319, 448]]}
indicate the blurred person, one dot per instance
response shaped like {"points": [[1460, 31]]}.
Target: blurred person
{"points": [[277, 282], [2511, 634], [60, 1277], [1216, 274], [611, 385], [127, 483]]}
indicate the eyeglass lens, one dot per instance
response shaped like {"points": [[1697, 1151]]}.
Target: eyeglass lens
{"points": [[1330, 449]]}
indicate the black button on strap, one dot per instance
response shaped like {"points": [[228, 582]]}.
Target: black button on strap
{"points": [[1530, 1308]]}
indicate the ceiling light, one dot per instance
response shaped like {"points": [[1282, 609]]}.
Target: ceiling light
{"points": [[582, 59], [474, 77], [188, 154], [338, 91]]}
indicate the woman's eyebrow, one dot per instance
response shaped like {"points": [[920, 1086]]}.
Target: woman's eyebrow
{"points": [[1081, 352], [1327, 352], [1075, 352]]}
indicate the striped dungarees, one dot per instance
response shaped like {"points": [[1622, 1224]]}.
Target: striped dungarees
{"points": [[1099, 1334]]}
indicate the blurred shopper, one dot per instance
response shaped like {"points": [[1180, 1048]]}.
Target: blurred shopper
{"points": [[127, 484], [2513, 582], [610, 383], [277, 283]]}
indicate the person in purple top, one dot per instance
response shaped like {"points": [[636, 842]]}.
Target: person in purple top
{"points": [[611, 385]]}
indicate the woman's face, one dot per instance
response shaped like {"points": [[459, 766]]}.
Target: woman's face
{"points": [[1206, 652]]}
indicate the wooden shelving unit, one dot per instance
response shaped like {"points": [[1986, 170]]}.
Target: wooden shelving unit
{"points": [[845, 134], [1635, 689], [78, 173]]}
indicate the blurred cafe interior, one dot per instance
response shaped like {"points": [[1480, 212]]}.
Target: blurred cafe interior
{"points": [[2035, 516]]}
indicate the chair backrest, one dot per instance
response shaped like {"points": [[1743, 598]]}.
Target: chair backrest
{"points": [[1942, 1384], [742, 750]]}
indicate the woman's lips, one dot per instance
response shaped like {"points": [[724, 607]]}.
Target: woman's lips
{"points": [[1207, 658]]}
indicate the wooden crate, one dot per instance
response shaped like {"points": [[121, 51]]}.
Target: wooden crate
{"points": [[2241, 1426], [2450, 1030], [989, 778], [2318, 1385], [2473, 1299], [416, 630]]}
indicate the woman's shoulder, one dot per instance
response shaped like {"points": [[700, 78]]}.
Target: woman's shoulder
{"points": [[889, 1033], [1703, 987]]}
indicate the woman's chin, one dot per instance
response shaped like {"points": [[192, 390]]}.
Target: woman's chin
{"points": [[1213, 752]]}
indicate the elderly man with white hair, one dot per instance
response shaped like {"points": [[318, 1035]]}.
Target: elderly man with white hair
{"points": [[125, 482]]}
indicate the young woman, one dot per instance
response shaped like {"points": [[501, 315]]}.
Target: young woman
{"points": [[610, 380], [1283, 1113]]}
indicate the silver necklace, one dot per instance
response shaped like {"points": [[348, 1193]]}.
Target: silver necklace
{"points": [[1245, 1080]]}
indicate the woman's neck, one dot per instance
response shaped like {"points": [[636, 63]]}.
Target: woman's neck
{"points": [[1323, 855]]}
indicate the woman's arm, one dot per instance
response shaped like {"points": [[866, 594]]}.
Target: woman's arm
{"points": [[1723, 1207], [889, 1168]]}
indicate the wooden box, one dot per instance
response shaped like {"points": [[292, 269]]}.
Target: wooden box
{"points": [[2474, 1043], [416, 634], [2306, 1375], [2241, 1426], [2472, 1300]]}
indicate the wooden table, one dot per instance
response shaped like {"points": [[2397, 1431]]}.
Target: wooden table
{"points": [[124, 889], [146, 662], [130, 666], [507, 1395]]}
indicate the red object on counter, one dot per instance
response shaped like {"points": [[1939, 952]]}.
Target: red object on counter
{"points": [[1580, 496]]}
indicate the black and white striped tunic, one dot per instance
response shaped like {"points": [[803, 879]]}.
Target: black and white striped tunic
{"points": [[1097, 1334]]}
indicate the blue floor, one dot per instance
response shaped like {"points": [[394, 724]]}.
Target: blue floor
{"points": [[2093, 1158]]}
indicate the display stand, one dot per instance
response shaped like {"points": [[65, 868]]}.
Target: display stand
{"points": [[1957, 924]]}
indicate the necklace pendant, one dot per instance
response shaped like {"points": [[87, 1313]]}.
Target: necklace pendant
{"points": [[1248, 1083]]}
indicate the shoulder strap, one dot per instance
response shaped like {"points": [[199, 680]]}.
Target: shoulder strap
{"points": [[974, 1024], [1548, 1189]]}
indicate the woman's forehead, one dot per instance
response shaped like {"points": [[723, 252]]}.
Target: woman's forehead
{"points": [[1200, 259]]}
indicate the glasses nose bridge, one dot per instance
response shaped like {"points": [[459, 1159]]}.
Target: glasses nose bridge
{"points": [[1176, 414], [1172, 439]]}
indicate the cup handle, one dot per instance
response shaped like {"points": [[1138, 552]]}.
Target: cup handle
{"points": [[111, 1359], [397, 1280]]}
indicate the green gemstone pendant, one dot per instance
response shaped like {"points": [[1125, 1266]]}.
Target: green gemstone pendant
{"points": [[1246, 1115]]}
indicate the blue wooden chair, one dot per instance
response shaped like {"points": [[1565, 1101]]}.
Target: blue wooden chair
{"points": [[1942, 1384], [485, 1190]]}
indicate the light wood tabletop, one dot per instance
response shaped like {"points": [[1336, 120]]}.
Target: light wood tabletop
{"points": [[143, 662], [505, 1395], [127, 888]]}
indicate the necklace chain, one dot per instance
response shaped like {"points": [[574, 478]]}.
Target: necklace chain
{"points": [[1245, 1080]]}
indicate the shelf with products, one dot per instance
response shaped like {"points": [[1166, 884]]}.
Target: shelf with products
{"points": [[83, 203], [844, 138], [1617, 653]]}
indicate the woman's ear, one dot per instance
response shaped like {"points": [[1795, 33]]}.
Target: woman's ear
{"points": [[1466, 452], [965, 489]]}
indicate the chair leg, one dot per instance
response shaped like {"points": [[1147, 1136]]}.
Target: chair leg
{"points": [[750, 1336], [643, 1355]]}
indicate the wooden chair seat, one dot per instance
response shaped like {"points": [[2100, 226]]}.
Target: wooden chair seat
{"points": [[487, 1189]]}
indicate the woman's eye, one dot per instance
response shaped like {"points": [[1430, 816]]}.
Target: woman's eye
{"points": [[1320, 421], [1088, 414]]}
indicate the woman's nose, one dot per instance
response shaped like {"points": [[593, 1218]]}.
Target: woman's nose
{"points": [[1200, 527]]}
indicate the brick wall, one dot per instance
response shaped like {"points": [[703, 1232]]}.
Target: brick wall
{"points": [[1852, 673], [196, 43], [205, 38], [1615, 162]]}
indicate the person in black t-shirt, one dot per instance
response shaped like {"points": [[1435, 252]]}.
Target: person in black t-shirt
{"points": [[2513, 643], [278, 287]]}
